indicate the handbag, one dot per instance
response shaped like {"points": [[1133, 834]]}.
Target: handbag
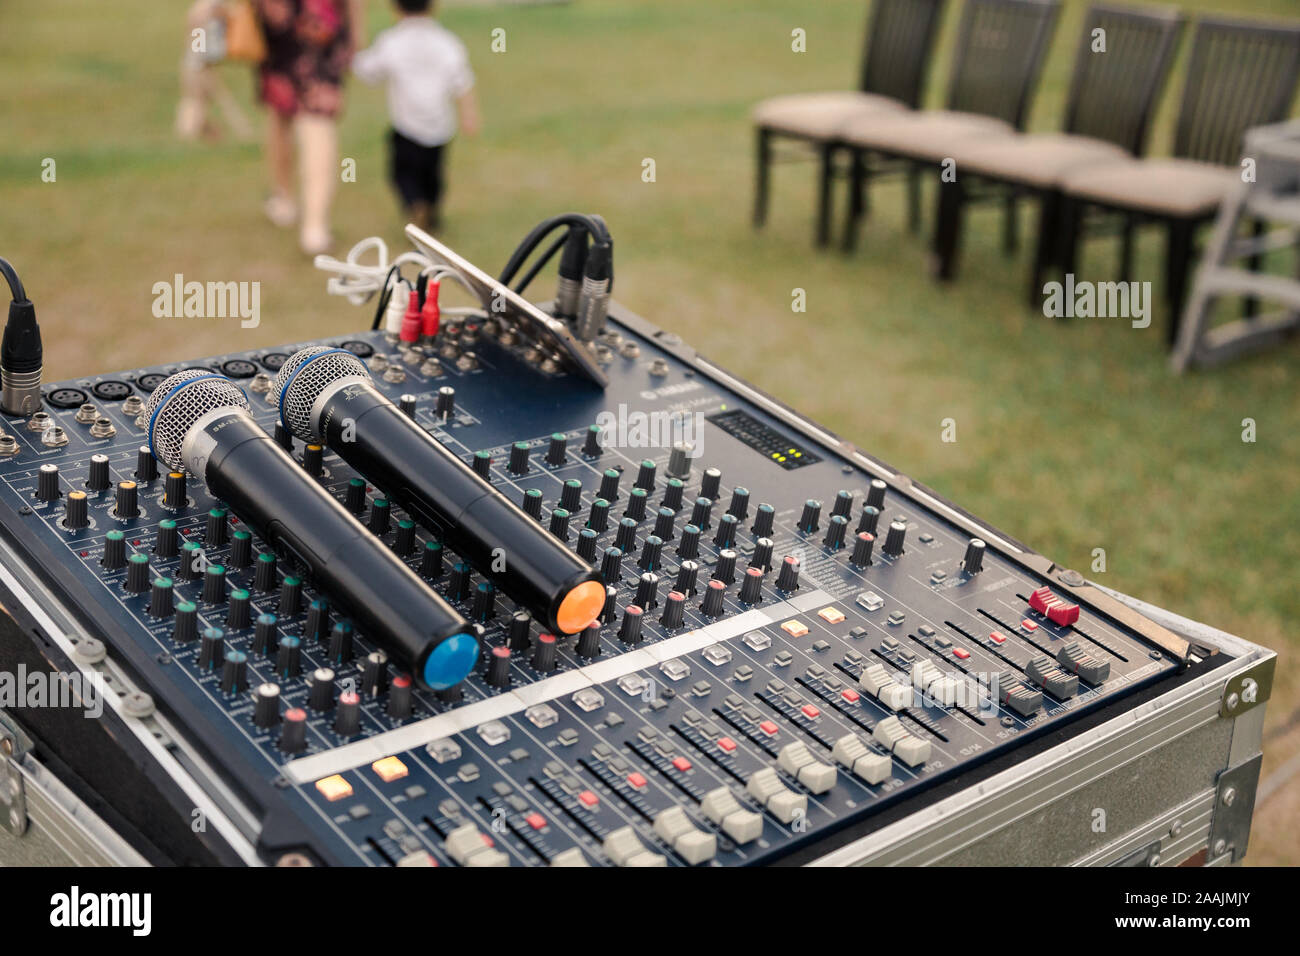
{"points": [[244, 38]]}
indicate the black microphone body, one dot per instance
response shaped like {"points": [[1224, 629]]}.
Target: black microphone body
{"points": [[244, 467], [444, 494]]}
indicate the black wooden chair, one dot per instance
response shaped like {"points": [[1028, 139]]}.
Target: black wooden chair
{"points": [[998, 59], [1108, 116], [1240, 74], [900, 37]]}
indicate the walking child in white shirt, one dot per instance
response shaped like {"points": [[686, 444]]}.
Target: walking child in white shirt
{"points": [[430, 93]]}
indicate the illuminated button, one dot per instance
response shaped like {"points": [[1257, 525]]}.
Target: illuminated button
{"points": [[637, 780], [727, 744], [389, 769], [831, 615], [768, 728], [682, 764], [334, 788], [810, 711], [997, 638], [535, 820], [588, 799], [852, 696], [960, 652], [1028, 625], [795, 628]]}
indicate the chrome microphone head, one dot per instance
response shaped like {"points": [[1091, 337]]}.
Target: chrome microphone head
{"points": [[304, 376], [178, 403]]}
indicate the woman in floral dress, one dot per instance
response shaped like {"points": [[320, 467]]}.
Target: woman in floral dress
{"points": [[309, 46]]}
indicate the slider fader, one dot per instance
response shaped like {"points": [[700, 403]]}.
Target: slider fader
{"points": [[798, 649]]}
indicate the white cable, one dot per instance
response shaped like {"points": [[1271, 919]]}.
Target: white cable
{"points": [[359, 281]]}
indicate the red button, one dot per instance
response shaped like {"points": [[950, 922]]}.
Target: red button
{"points": [[636, 779], [682, 764], [727, 744], [810, 711], [768, 728], [588, 799], [850, 695], [487, 840], [960, 653], [535, 820], [1028, 625], [997, 638]]}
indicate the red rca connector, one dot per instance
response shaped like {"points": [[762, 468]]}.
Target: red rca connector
{"points": [[411, 320], [430, 315]]}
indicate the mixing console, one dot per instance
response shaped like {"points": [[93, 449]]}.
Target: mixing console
{"points": [[794, 636]]}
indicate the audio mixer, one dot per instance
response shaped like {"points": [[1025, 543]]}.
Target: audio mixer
{"points": [[685, 625]]}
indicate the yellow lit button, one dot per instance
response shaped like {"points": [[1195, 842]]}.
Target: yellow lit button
{"points": [[831, 615], [389, 769], [334, 788], [795, 628]]}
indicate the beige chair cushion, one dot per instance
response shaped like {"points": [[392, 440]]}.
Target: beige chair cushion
{"points": [[926, 136], [1035, 159], [819, 115], [1173, 187]]}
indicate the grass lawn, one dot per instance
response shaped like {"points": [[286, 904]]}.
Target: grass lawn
{"points": [[1071, 436]]}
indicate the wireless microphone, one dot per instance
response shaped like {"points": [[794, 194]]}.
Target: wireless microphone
{"points": [[200, 421], [326, 395]]}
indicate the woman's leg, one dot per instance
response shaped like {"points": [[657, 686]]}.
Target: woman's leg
{"points": [[318, 166], [279, 157]]}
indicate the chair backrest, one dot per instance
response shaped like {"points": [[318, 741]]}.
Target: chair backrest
{"points": [[1123, 61], [1240, 74], [999, 57], [900, 39]]}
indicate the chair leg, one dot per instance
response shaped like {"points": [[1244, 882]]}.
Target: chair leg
{"points": [[1250, 305], [825, 177], [763, 155], [1126, 247], [1067, 244], [1178, 259], [1049, 237], [858, 184], [1010, 224], [949, 211], [914, 171]]}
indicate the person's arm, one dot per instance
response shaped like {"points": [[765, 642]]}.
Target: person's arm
{"points": [[467, 107], [356, 26]]}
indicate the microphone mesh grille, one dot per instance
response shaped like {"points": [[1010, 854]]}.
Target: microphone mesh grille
{"points": [[172, 410], [307, 373]]}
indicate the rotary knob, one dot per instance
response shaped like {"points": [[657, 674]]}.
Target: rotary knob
{"points": [[974, 559], [763, 520], [518, 464], [751, 586], [587, 541], [266, 705], [498, 671], [127, 503], [894, 538], [544, 653], [711, 606], [673, 492], [788, 578], [674, 610], [589, 642], [97, 479], [710, 483], [629, 631], [598, 520], [557, 450], [532, 503], [609, 484], [431, 561]]}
